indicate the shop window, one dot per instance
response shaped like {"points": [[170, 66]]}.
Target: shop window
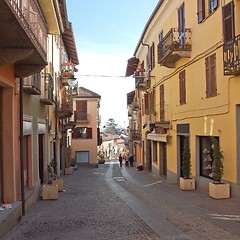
{"points": [[206, 158]]}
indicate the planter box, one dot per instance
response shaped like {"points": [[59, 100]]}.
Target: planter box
{"points": [[50, 192], [187, 184], [68, 171], [60, 184], [219, 191]]}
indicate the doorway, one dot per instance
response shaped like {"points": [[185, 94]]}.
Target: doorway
{"points": [[163, 159], [182, 141]]}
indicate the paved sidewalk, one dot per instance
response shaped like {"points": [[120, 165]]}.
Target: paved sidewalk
{"points": [[116, 203]]}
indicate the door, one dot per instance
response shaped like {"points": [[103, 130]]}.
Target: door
{"points": [[163, 159], [40, 152], [82, 157], [181, 25]]}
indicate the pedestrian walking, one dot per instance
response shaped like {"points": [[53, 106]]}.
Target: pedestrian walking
{"points": [[131, 160], [120, 158]]}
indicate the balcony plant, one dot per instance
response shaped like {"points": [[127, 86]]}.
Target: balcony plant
{"points": [[186, 181], [217, 188]]}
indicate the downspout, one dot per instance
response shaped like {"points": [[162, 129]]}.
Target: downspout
{"points": [[21, 145]]}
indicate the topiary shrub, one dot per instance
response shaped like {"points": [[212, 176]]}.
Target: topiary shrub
{"points": [[217, 165], [186, 162]]}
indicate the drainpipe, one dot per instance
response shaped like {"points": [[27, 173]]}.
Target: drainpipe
{"points": [[21, 145]]}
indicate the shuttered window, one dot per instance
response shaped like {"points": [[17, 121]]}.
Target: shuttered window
{"points": [[182, 88], [201, 10], [82, 133], [211, 82], [81, 110], [162, 113], [146, 103], [152, 101], [228, 22], [213, 4]]}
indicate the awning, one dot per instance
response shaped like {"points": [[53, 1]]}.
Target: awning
{"points": [[132, 66], [157, 137]]}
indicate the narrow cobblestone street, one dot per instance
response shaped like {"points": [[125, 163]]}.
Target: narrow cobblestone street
{"points": [[110, 202]]}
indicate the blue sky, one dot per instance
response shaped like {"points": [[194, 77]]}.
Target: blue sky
{"points": [[106, 34]]}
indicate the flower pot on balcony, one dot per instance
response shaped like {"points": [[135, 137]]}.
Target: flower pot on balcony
{"points": [[60, 184], [50, 192], [187, 184], [219, 190]]}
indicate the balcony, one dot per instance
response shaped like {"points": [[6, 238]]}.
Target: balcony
{"points": [[136, 135], [65, 109], [231, 56], [68, 70], [142, 81], [174, 45], [47, 93], [23, 40], [80, 116], [32, 84]]}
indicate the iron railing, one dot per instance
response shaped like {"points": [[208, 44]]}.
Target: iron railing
{"points": [[175, 40], [231, 56], [31, 19]]}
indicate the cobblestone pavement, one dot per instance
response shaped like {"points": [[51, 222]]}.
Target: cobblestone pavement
{"points": [[113, 203]]}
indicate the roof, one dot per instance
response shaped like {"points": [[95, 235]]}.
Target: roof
{"points": [[132, 66], [69, 42], [86, 93]]}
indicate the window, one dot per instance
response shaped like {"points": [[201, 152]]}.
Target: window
{"points": [[162, 113], [211, 6], [206, 157], [81, 110], [82, 133], [201, 10], [182, 88], [151, 58], [228, 22], [152, 101], [211, 84], [146, 103]]}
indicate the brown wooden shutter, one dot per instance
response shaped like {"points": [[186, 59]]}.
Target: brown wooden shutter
{"points": [[89, 133], [153, 55], [182, 87], [201, 10], [162, 114], [213, 75], [74, 133], [146, 103], [207, 63], [228, 21]]}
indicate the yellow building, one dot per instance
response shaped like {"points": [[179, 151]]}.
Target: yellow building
{"points": [[187, 76]]}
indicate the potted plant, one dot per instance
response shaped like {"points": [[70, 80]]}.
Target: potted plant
{"points": [[55, 180], [186, 181], [217, 188], [50, 190]]}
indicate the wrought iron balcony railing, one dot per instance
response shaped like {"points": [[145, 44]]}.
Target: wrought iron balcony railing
{"points": [[31, 18], [175, 45], [32, 84], [142, 81], [135, 135], [65, 109], [47, 93], [231, 56]]}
